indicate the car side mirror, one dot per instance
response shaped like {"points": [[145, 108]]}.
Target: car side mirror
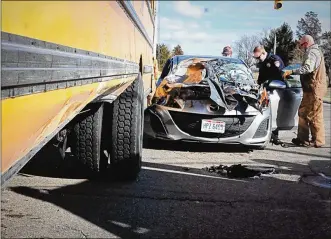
{"points": [[277, 84]]}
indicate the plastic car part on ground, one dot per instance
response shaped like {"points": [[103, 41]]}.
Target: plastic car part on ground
{"points": [[228, 81], [319, 180]]}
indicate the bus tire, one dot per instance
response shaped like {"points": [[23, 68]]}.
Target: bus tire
{"points": [[87, 143], [127, 132]]}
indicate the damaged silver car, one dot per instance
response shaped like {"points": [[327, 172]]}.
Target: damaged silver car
{"points": [[212, 100]]}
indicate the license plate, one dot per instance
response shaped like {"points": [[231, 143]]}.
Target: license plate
{"points": [[213, 126]]}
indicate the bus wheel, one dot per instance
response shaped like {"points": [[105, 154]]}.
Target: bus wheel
{"points": [[87, 144], [127, 132]]}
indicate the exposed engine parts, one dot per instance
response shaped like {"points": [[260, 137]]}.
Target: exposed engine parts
{"points": [[216, 83]]}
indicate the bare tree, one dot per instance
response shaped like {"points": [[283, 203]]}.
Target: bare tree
{"points": [[244, 47], [266, 32], [326, 47], [310, 25]]}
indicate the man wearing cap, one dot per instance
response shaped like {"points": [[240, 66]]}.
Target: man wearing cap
{"points": [[227, 51], [270, 65], [313, 80]]}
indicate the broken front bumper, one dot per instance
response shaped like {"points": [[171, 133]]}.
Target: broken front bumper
{"points": [[253, 129]]}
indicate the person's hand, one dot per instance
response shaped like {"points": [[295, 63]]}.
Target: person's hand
{"points": [[287, 73]]}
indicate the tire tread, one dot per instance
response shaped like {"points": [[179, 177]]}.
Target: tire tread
{"points": [[126, 152], [88, 138]]}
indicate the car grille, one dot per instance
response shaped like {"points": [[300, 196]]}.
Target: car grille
{"points": [[191, 124], [262, 131]]}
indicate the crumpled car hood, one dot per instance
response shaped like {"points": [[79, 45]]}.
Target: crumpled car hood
{"points": [[226, 83]]}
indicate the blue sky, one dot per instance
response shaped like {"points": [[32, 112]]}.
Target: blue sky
{"points": [[205, 27]]}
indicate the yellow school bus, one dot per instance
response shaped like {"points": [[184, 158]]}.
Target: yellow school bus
{"points": [[77, 74]]}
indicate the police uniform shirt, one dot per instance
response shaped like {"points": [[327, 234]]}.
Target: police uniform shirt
{"points": [[270, 68]]}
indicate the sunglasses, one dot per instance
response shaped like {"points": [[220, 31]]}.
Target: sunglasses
{"points": [[258, 57], [303, 44]]}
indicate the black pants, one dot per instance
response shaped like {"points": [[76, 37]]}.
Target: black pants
{"points": [[276, 132]]}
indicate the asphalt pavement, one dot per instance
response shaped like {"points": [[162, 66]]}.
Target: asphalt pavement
{"points": [[174, 197]]}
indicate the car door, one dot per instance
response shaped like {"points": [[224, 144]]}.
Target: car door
{"points": [[285, 103]]}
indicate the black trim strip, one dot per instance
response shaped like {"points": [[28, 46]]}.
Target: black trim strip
{"points": [[33, 66], [40, 88], [129, 9]]}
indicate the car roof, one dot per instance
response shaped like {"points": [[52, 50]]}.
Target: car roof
{"points": [[178, 58]]}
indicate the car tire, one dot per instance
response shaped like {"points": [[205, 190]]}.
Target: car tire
{"points": [[127, 132], [87, 143]]}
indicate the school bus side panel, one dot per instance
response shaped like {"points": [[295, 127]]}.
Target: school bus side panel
{"points": [[99, 27]]}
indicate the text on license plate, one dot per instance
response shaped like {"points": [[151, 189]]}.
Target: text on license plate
{"points": [[213, 126]]}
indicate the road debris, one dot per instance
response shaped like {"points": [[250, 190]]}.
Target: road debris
{"points": [[319, 180], [240, 171]]}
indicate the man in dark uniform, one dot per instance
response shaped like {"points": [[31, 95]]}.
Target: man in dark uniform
{"points": [[270, 68], [270, 65]]}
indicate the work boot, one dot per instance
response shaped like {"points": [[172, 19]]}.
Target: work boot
{"points": [[316, 145], [313, 142], [299, 142]]}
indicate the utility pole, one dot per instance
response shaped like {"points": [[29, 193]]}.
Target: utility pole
{"points": [[275, 43]]}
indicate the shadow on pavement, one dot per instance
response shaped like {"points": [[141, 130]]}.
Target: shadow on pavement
{"points": [[321, 166], [48, 163], [175, 202], [314, 166], [193, 147], [299, 151], [284, 167]]}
